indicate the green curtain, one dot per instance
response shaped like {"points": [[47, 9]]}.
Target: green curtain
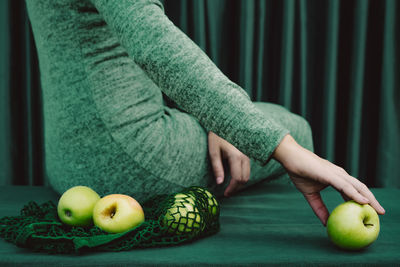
{"points": [[21, 146], [335, 62]]}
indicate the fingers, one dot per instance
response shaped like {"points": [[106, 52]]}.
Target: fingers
{"points": [[240, 172], [216, 163], [307, 170], [239, 163], [349, 190], [355, 189], [246, 169], [235, 165], [318, 206], [233, 186], [363, 190]]}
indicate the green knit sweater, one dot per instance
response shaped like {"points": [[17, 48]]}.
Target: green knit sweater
{"points": [[104, 65]]}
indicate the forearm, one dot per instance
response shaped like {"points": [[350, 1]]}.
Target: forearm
{"points": [[285, 147]]}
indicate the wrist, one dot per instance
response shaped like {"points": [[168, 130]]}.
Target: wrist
{"points": [[285, 148]]}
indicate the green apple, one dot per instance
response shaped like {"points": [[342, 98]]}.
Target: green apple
{"points": [[117, 213], [213, 207], [185, 197], [353, 226], [212, 203], [75, 206], [183, 217]]}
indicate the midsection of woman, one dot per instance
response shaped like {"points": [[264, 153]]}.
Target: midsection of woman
{"points": [[105, 122]]}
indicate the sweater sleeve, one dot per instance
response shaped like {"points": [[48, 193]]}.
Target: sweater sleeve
{"points": [[189, 77]]}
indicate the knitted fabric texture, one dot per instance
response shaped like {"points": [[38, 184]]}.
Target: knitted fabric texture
{"points": [[171, 219], [106, 67]]}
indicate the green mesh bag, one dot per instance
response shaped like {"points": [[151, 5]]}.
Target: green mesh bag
{"points": [[171, 219]]}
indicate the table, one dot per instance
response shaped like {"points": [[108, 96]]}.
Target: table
{"points": [[269, 223]]}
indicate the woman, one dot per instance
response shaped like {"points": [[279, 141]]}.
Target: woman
{"points": [[104, 68]]}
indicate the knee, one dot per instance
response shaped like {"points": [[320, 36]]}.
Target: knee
{"points": [[298, 126]]}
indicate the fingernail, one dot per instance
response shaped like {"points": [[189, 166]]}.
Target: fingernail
{"points": [[219, 180]]}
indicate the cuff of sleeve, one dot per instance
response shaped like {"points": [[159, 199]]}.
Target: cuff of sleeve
{"points": [[249, 130], [273, 144], [262, 142]]}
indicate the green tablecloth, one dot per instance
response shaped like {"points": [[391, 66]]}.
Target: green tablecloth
{"points": [[267, 224]]}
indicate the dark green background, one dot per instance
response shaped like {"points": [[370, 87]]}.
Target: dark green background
{"points": [[334, 62]]}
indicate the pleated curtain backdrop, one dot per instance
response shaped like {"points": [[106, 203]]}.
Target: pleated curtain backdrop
{"points": [[335, 62], [21, 145]]}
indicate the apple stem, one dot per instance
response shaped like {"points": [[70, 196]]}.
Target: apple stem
{"points": [[68, 213]]}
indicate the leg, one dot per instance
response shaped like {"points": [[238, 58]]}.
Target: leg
{"points": [[300, 130]]}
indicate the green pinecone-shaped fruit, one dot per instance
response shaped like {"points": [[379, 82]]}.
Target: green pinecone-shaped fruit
{"points": [[183, 217], [213, 206]]}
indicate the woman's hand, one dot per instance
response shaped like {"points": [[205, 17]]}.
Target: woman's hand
{"points": [[219, 150], [310, 174]]}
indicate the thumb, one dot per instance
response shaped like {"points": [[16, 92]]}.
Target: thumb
{"points": [[318, 206]]}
